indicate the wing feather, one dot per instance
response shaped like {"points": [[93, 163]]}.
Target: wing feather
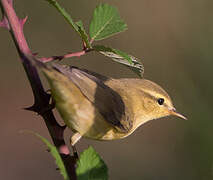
{"points": [[105, 99]]}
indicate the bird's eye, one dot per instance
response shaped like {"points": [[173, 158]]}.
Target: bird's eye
{"points": [[160, 101]]}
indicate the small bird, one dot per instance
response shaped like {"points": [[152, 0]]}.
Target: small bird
{"points": [[101, 108]]}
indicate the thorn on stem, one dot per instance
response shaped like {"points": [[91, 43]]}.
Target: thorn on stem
{"points": [[4, 23], [39, 110], [23, 21], [32, 108]]}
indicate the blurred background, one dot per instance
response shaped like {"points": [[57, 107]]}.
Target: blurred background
{"points": [[173, 39]]}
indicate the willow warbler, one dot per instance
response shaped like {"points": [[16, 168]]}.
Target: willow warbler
{"points": [[102, 108]]}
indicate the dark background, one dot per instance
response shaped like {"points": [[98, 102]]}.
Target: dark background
{"points": [[174, 39]]}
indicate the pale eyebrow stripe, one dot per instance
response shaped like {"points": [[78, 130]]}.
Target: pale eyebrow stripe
{"points": [[153, 97]]}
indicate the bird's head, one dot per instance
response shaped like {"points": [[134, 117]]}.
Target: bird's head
{"points": [[156, 101]]}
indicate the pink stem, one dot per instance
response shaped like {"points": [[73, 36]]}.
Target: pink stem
{"points": [[76, 54], [16, 26]]}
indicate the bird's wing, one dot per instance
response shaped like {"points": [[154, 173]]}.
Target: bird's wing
{"points": [[106, 100]]}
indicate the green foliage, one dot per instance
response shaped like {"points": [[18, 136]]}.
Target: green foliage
{"points": [[78, 27], [63, 13], [121, 57], [55, 154], [83, 34], [90, 166], [106, 22]]}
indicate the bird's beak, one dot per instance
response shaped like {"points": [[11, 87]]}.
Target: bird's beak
{"points": [[175, 113]]}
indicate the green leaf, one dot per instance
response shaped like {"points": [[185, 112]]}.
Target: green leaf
{"points": [[106, 22], [62, 11], [121, 57], [83, 34], [90, 166], [55, 154]]}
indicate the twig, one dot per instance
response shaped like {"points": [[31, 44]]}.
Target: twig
{"points": [[41, 98], [69, 55]]}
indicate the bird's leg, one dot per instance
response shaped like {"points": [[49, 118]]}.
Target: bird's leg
{"points": [[51, 101], [51, 104], [73, 140]]}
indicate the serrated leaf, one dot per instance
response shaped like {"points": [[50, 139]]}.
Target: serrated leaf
{"points": [[90, 166], [106, 22], [83, 33], [54, 152], [121, 57], [63, 12]]}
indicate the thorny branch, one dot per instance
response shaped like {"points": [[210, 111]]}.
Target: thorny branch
{"points": [[41, 98], [69, 55]]}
